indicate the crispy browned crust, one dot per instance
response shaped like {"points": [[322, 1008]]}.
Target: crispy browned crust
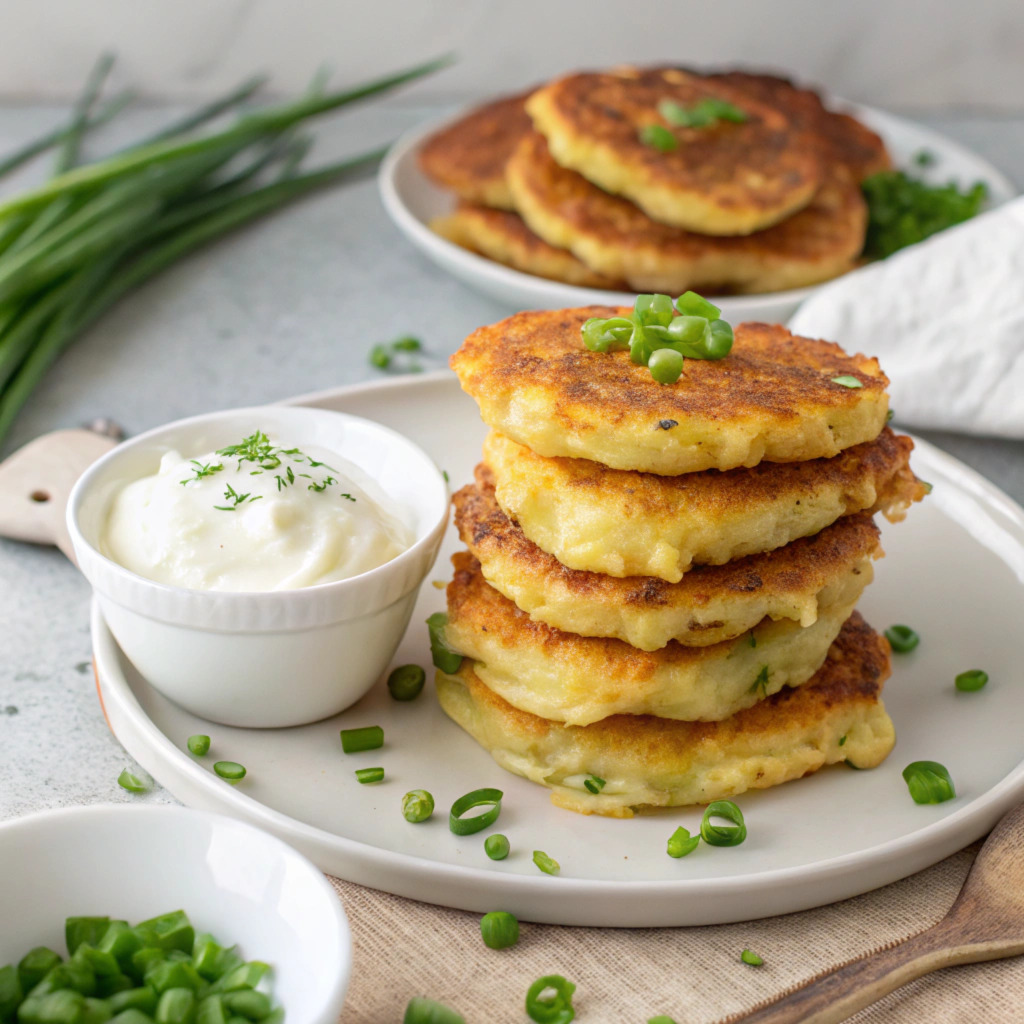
{"points": [[616, 237], [504, 237], [469, 156], [724, 179]]}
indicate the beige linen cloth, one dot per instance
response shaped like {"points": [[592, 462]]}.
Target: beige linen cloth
{"points": [[694, 975]]}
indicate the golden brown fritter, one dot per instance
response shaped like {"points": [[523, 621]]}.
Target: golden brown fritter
{"points": [[579, 680], [722, 179], [773, 397], [709, 605], [625, 523], [656, 762], [469, 156], [616, 238], [504, 237]]}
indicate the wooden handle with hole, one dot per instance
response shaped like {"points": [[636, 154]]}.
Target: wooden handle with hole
{"points": [[35, 483]]}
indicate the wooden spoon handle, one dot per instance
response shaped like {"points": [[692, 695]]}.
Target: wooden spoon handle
{"points": [[35, 483]]}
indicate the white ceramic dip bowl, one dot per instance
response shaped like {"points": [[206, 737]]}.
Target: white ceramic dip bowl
{"points": [[273, 658]]}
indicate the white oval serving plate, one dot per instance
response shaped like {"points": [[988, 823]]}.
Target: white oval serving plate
{"points": [[954, 571], [412, 201]]}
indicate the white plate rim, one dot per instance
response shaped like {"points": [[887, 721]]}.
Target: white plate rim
{"points": [[478, 889]]}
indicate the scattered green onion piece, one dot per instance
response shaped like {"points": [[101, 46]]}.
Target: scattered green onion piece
{"points": [[748, 956], [497, 846], [406, 682], [902, 639], [659, 137], [925, 158], [889, 415], [231, 771], [842, 740], [490, 798], [364, 776], [593, 784], [704, 113], [369, 737], [134, 782], [666, 365], [547, 864], [380, 357], [556, 1008], [426, 1011], [929, 782], [847, 381], [973, 679], [417, 805], [499, 930], [723, 835], [680, 843], [443, 656], [199, 744], [407, 343]]}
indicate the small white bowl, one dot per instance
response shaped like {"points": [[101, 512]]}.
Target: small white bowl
{"points": [[277, 658], [234, 881]]}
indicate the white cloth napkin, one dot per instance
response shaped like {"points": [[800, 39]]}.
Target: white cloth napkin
{"points": [[945, 319]]}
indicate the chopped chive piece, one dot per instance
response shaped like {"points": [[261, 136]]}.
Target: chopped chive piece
{"points": [[902, 639], [889, 415], [499, 930], [666, 365], [232, 771], [547, 864], [592, 784], [134, 782], [426, 1011], [369, 737], [380, 357], [842, 740], [925, 158], [368, 775], [750, 957], [848, 381], [680, 843], [658, 136], [199, 744], [723, 835], [406, 682], [490, 798], [973, 679], [417, 805], [703, 114], [407, 343], [929, 782], [553, 1008], [442, 655], [497, 846]]}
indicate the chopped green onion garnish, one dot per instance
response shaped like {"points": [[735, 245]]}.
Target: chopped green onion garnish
{"points": [[666, 365], [230, 770], [406, 682], [490, 798], [407, 343], [417, 805], [426, 1011], [703, 114], [553, 1008], [902, 639], [723, 835], [842, 740], [750, 957], [134, 782], [848, 381], [925, 158], [367, 775], [380, 357], [369, 737], [592, 784], [442, 655], [499, 930], [497, 846], [974, 679], [928, 782], [199, 744], [659, 137], [889, 415], [680, 843], [547, 864]]}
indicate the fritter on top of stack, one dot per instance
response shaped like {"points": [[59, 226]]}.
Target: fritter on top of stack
{"points": [[630, 179], [656, 607]]}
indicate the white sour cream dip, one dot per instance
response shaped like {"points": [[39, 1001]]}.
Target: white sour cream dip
{"points": [[256, 516]]}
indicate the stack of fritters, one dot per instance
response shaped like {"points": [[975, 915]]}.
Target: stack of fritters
{"points": [[659, 587], [561, 183]]}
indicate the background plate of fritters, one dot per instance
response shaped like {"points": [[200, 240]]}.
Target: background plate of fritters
{"points": [[954, 570], [413, 201]]}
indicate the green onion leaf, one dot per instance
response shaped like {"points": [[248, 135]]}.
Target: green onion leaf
{"points": [[406, 682], [692, 304], [902, 639], [368, 775], [973, 679], [417, 805], [497, 846], [553, 1008], [848, 381], [490, 798], [134, 782], [232, 771], [750, 957], [407, 343], [426, 1011], [199, 744], [703, 114], [443, 656], [723, 835], [547, 864], [929, 782], [499, 930], [369, 737], [680, 843], [592, 784], [659, 137]]}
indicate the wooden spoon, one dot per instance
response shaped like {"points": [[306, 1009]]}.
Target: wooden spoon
{"points": [[985, 923]]}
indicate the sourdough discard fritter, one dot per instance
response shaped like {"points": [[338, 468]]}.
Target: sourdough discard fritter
{"points": [[469, 156], [575, 679], [504, 237], [615, 237], [721, 179], [773, 397], [709, 605], [625, 523], [655, 762]]}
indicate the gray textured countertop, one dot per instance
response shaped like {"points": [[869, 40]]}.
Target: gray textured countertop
{"points": [[290, 305]]}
